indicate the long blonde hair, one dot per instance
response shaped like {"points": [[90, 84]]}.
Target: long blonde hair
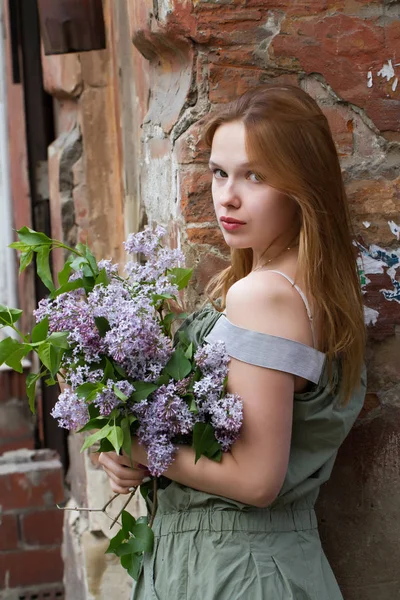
{"points": [[289, 139]]}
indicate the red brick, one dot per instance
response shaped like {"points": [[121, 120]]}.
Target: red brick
{"points": [[12, 385], [17, 444], [8, 532], [209, 264], [37, 486], [42, 528], [227, 82], [16, 422], [343, 49], [340, 121], [196, 200], [211, 236], [189, 148], [31, 567]]}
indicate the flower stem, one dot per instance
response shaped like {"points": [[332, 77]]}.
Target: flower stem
{"points": [[154, 507]]}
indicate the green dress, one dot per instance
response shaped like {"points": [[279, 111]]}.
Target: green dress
{"points": [[213, 548]]}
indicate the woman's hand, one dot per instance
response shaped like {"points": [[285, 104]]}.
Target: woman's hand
{"points": [[122, 474]]}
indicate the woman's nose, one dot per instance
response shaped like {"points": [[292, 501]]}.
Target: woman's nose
{"points": [[229, 195]]}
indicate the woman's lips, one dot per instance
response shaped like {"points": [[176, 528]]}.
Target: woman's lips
{"points": [[230, 224]]}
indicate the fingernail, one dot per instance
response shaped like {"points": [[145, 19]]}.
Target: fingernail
{"points": [[146, 479]]}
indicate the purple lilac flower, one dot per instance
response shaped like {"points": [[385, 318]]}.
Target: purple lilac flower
{"points": [[160, 453], [213, 360], [78, 375], [107, 400], [110, 267], [69, 312], [144, 242], [161, 419], [71, 412]]}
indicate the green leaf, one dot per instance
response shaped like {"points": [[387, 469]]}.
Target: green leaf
{"points": [[20, 246], [94, 411], [116, 541], [94, 424], [133, 546], [86, 389], [189, 351], [9, 316], [25, 259], [43, 267], [95, 437], [132, 563], [144, 533], [163, 379], [102, 325], [143, 389], [50, 356], [102, 278], [128, 522], [40, 331], [205, 443], [120, 371], [119, 394], [178, 365], [91, 261], [31, 381], [59, 339], [76, 284], [108, 371], [127, 438], [7, 347], [33, 238], [14, 360], [65, 272], [116, 437], [106, 446], [78, 263], [180, 276], [193, 406]]}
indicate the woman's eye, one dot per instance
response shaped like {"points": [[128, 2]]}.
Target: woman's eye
{"points": [[216, 173], [256, 178]]}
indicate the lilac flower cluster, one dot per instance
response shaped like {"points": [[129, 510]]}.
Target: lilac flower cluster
{"points": [[166, 416], [71, 412], [162, 419], [132, 340]]}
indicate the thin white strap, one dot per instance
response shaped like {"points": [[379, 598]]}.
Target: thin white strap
{"points": [[303, 297]]}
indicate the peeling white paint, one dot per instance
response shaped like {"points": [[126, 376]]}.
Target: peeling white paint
{"points": [[366, 224], [395, 229], [373, 265], [370, 315], [387, 71]]}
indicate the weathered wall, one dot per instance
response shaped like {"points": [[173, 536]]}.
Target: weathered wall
{"points": [[94, 195], [128, 150], [347, 56]]}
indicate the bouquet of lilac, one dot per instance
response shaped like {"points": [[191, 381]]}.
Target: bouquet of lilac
{"points": [[110, 338]]}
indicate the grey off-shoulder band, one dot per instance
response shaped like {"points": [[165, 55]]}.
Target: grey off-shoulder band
{"points": [[270, 351]]}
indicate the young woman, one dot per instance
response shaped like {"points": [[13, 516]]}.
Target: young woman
{"points": [[291, 315]]}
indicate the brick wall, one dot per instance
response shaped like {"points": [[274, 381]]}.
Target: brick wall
{"points": [[31, 484], [139, 109]]}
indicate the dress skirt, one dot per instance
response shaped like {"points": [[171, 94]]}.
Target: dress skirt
{"points": [[213, 548]]}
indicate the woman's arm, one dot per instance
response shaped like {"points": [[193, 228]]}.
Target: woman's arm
{"points": [[254, 470]]}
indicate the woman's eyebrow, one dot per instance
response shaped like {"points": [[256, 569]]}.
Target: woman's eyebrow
{"points": [[240, 166]]}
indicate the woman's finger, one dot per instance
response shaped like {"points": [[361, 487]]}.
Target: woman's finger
{"points": [[124, 483]]}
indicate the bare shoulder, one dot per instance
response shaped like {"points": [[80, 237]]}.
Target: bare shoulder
{"points": [[266, 302]]}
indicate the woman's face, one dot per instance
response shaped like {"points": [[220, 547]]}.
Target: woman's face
{"points": [[267, 217]]}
